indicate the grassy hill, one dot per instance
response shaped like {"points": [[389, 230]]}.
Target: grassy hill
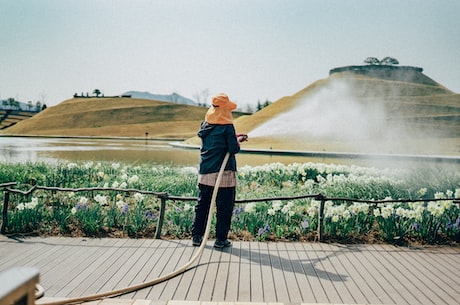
{"points": [[120, 117], [418, 116]]}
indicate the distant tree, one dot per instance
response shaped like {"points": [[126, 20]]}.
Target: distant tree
{"points": [[11, 102], [38, 106], [5, 103], [29, 105], [97, 92], [44, 107], [389, 61], [201, 97], [372, 61], [249, 109], [259, 106]]}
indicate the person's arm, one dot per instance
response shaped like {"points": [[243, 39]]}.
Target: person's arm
{"points": [[232, 141]]}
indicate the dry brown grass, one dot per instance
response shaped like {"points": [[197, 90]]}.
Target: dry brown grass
{"points": [[427, 107]]}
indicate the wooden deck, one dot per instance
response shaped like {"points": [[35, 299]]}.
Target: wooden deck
{"points": [[258, 272]]}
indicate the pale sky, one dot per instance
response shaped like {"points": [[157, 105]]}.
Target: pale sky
{"points": [[250, 49]]}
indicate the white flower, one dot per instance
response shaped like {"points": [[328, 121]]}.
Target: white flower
{"points": [[187, 207], [115, 166], [387, 211], [102, 200], [120, 204], [250, 207], [88, 165], [32, 204], [20, 206], [133, 179], [71, 165], [439, 195], [422, 191], [83, 200], [276, 205], [271, 212], [123, 185], [73, 210], [138, 197], [115, 184]]}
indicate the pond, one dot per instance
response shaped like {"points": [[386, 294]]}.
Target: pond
{"points": [[141, 151], [54, 150]]}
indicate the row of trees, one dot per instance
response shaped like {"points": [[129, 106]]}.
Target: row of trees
{"points": [[384, 61], [12, 104]]}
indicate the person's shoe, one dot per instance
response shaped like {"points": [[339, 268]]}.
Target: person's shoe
{"points": [[196, 240], [222, 243]]}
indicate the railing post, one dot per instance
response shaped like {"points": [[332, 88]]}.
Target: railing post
{"points": [[320, 219], [6, 200], [161, 217]]}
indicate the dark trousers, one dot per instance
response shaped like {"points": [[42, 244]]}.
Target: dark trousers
{"points": [[224, 209]]}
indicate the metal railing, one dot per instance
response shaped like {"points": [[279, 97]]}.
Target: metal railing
{"points": [[164, 197]]}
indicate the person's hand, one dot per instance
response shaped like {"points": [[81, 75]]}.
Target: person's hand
{"points": [[242, 137]]}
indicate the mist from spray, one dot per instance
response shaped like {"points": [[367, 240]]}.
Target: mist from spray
{"points": [[334, 112]]}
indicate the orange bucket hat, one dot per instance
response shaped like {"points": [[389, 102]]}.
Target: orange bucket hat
{"points": [[220, 111]]}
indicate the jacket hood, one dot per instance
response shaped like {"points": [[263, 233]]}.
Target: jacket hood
{"points": [[205, 129]]}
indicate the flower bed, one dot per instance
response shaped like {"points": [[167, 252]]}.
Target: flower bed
{"points": [[104, 212]]}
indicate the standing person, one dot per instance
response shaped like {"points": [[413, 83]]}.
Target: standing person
{"points": [[218, 137]]}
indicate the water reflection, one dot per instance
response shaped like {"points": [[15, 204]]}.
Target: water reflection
{"points": [[55, 150]]}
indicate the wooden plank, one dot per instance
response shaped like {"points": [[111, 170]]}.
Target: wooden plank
{"points": [[331, 264], [84, 282], [163, 266], [139, 272], [268, 282], [358, 282], [171, 262], [232, 285], [73, 261], [256, 283], [437, 273], [409, 277], [122, 262], [187, 278], [288, 271], [324, 289], [307, 256], [221, 282], [184, 254], [13, 255], [196, 285], [384, 277], [103, 271], [209, 281], [244, 281], [282, 294], [298, 260]]}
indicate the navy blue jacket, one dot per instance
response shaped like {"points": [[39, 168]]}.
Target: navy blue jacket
{"points": [[216, 141]]}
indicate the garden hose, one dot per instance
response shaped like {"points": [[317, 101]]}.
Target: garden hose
{"points": [[164, 277]]}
